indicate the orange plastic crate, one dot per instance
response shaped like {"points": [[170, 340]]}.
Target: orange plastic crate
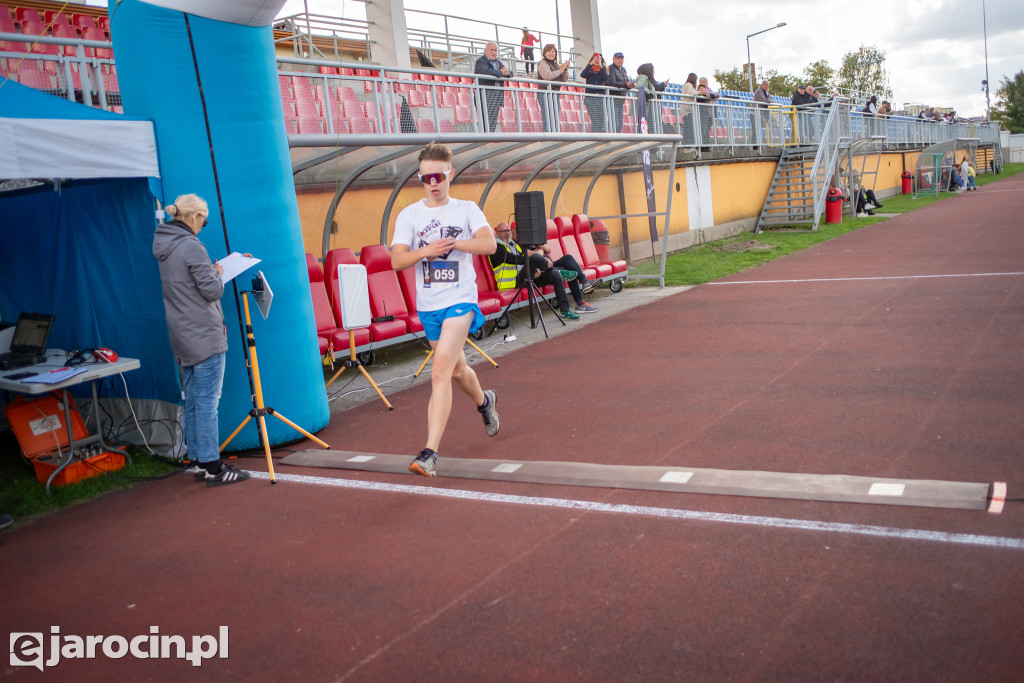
{"points": [[39, 426], [78, 470]]}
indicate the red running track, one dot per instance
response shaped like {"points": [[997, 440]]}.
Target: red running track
{"points": [[894, 351]]}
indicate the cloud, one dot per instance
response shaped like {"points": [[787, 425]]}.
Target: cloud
{"points": [[955, 20]]}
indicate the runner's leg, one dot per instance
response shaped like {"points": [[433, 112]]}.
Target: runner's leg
{"points": [[449, 363]]}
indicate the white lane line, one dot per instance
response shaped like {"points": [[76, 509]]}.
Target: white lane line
{"points": [[856, 279], [666, 513]]}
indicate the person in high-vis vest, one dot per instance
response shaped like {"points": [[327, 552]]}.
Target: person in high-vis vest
{"points": [[508, 261]]}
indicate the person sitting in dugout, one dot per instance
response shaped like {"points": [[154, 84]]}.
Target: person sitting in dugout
{"points": [[508, 261]]}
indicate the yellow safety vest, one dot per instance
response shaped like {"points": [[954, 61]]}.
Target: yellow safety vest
{"points": [[505, 274]]}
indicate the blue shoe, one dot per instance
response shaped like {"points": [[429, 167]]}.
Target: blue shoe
{"points": [[586, 308]]}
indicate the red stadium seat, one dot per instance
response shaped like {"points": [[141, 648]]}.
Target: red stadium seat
{"points": [[331, 337], [68, 32], [94, 33], [589, 250], [486, 288], [83, 21], [23, 14], [567, 238], [386, 295], [35, 28], [360, 125], [57, 18], [463, 115], [425, 125], [6, 26], [334, 258], [407, 280], [597, 225]]}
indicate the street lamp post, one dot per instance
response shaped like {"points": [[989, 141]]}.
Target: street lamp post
{"points": [[750, 71], [984, 28]]}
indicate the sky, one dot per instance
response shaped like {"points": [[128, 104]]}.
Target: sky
{"points": [[935, 49]]}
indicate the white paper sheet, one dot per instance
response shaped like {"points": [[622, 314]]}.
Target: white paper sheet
{"points": [[234, 264]]}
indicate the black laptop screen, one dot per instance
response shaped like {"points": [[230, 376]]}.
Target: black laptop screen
{"points": [[31, 333]]}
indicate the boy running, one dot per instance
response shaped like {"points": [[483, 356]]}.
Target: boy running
{"points": [[439, 235]]}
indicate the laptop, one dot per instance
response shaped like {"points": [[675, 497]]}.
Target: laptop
{"points": [[28, 346]]}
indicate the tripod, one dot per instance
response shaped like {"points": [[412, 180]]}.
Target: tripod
{"points": [[468, 341], [354, 362], [533, 294], [260, 411]]}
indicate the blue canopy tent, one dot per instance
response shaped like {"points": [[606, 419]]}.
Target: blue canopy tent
{"points": [[77, 216]]}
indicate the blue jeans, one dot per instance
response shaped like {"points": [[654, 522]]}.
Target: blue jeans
{"points": [[201, 384]]}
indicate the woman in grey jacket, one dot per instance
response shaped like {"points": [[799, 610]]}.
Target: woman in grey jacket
{"points": [[192, 290]]}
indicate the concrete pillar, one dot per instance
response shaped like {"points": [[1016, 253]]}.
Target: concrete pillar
{"points": [[586, 26], [389, 35]]}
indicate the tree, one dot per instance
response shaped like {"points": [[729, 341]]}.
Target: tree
{"points": [[1009, 107], [820, 74], [781, 84], [778, 84], [863, 71], [732, 80]]}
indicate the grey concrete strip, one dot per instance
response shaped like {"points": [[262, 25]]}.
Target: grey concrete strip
{"points": [[794, 486]]}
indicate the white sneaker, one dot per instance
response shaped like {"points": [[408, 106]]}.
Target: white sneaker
{"points": [[868, 207], [862, 215]]}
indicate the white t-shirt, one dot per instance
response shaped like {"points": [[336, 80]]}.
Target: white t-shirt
{"points": [[449, 279]]}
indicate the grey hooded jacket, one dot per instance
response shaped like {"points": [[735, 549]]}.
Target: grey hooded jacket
{"points": [[192, 293]]}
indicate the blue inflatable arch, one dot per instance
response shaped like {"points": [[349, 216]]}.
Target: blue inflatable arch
{"points": [[205, 73]]}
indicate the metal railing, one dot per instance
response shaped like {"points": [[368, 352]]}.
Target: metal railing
{"points": [[75, 70], [453, 45], [833, 134], [362, 100]]}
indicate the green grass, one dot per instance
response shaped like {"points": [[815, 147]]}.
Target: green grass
{"points": [[706, 262], [25, 498], [22, 496]]}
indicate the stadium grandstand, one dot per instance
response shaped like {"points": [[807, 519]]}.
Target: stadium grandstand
{"points": [[360, 97]]}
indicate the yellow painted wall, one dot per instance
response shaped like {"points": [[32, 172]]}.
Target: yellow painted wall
{"points": [[739, 190]]}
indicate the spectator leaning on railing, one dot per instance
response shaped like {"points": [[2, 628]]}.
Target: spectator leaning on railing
{"points": [[549, 70], [489, 65], [619, 79], [687, 99], [761, 100], [703, 80], [800, 97], [595, 74]]}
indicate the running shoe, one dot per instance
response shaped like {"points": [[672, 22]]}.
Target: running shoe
{"points": [[568, 274], [425, 463], [568, 315], [227, 475], [587, 286], [198, 473], [489, 411], [586, 308]]}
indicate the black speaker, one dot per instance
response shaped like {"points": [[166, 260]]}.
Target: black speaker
{"points": [[531, 222]]}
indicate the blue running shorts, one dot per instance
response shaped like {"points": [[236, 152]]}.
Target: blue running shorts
{"points": [[432, 320]]}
